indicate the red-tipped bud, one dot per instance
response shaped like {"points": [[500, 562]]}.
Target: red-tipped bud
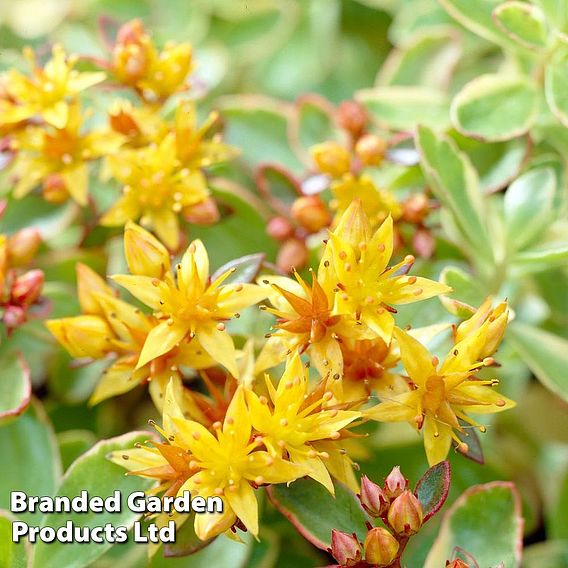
{"points": [[457, 563], [22, 246], [405, 514], [292, 254], [371, 149], [130, 57], [26, 289], [54, 189], [311, 213], [279, 228], [345, 548], [352, 117], [14, 316], [381, 547], [203, 213], [374, 500], [416, 208], [395, 483]]}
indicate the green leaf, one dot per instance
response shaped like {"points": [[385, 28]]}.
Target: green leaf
{"points": [[315, 512], [221, 552], [551, 553], [94, 473], [454, 181], [402, 108], [258, 127], [557, 521], [477, 17], [486, 523], [73, 443], [529, 206], [523, 22], [556, 87], [495, 108], [245, 269], [556, 13], [465, 290], [15, 386], [543, 258], [12, 555], [545, 353], [433, 487], [30, 457]]}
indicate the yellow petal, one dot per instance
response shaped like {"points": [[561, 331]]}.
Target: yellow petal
{"points": [[219, 345], [315, 466], [117, 379], [236, 297], [237, 422], [417, 360], [195, 258], [76, 181], [437, 440], [401, 408], [397, 290], [148, 290], [244, 504], [57, 114], [89, 283], [166, 225], [210, 525], [125, 209], [160, 340]]}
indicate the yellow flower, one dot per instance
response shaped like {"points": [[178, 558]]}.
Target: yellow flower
{"points": [[441, 395], [156, 189], [189, 306], [111, 326], [48, 152], [293, 419], [137, 62], [305, 322], [229, 464], [356, 262], [377, 203], [46, 92]]}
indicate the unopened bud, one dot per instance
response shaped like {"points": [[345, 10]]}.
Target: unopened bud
{"points": [[457, 563], [14, 316], [82, 336], [22, 246], [371, 149], [205, 212], [331, 158], [352, 117], [311, 213], [54, 189], [395, 483], [26, 289], [345, 548], [373, 499], [416, 208], [145, 254], [381, 547], [292, 254], [405, 514], [423, 243], [279, 228], [130, 56]]}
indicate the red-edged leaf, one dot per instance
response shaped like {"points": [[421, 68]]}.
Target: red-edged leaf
{"points": [[187, 542], [15, 386], [432, 489], [278, 185], [474, 450], [246, 269]]}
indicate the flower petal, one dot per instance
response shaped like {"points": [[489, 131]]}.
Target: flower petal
{"points": [[160, 340]]}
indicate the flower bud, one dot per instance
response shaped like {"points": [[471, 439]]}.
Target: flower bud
{"points": [[205, 212], [130, 56], [405, 514], [423, 243], [345, 548], [145, 254], [22, 246], [89, 284], [26, 289], [373, 499], [54, 189], [457, 563], [279, 228], [82, 336], [395, 483], [381, 547], [352, 117], [311, 213], [292, 254], [14, 316], [371, 149], [331, 158], [416, 208]]}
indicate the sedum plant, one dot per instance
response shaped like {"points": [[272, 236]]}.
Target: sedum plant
{"points": [[238, 262]]}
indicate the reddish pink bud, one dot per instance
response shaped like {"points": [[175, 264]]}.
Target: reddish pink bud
{"points": [[405, 514], [54, 189], [423, 243], [371, 149], [26, 289], [14, 316], [416, 208], [395, 483], [279, 228], [345, 548], [22, 246], [374, 500], [292, 254], [203, 213], [381, 547], [352, 117]]}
